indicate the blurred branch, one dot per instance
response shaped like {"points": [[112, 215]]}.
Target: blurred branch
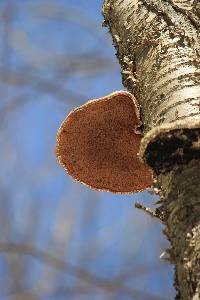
{"points": [[108, 285], [20, 295], [56, 263], [23, 79], [78, 16], [38, 84], [142, 270], [8, 19], [132, 293], [87, 65]]}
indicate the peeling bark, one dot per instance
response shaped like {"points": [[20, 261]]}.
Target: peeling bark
{"points": [[158, 47]]}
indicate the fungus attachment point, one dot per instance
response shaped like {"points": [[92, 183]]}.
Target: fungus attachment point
{"points": [[98, 143]]}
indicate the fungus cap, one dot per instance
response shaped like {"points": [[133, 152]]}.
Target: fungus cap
{"points": [[98, 142]]}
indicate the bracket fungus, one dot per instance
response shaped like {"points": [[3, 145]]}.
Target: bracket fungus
{"points": [[98, 142]]}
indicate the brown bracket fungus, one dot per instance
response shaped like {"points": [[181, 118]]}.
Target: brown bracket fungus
{"points": [[98, 142]]}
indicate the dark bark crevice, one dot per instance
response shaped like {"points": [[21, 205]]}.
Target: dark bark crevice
{"points": [[188, 9]]}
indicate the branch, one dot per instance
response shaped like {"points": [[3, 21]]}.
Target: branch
{"points": [[66, 267]]}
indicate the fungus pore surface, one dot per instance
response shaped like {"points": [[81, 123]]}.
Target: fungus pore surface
{"points": [[97, 144]]}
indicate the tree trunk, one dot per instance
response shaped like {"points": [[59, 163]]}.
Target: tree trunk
{"points": [[158, 47]]}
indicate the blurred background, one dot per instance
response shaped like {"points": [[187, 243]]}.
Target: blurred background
{"points": [[59, 239]]}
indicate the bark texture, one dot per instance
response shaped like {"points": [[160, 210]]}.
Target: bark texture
{"points": [[158, 47]]}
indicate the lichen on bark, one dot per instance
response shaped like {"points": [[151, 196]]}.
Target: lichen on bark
{"points": [[158, 47]]}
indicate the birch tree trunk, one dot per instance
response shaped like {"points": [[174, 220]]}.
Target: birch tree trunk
{"points": [[158, 47]]}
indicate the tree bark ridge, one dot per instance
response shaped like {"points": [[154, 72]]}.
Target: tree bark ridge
{"points": [[181, 209]]}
